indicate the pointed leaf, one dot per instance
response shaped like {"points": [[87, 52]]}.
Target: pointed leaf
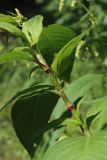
{"points": [[33, 28], [11, 28], [81, 100], [95, 107], [65, 57], [29, 115], [7, 18], [90, 119], [71, 122], [78, 88], [52, 39], [17, 54]]}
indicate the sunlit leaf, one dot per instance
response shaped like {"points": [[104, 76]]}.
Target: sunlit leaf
{"points": [[7, 18], [65, 56], [33, 28], [91, 147], [11, 28]]}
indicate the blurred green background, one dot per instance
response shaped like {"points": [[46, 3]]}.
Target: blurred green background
{"points": [[15, 76]]}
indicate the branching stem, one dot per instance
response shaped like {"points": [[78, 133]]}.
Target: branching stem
{"points": [[70, 106]]}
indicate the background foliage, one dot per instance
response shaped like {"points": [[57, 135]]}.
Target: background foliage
{"points": [[91, 58]]}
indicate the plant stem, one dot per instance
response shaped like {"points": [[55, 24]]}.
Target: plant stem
{"points": [[70, 106], [42, 63]]}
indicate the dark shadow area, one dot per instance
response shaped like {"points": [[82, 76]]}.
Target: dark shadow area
{"points": [[27, 7]]}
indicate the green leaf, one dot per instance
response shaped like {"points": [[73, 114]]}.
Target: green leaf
{"points": [[79, 103], [81, 86], [95, 107], [92, 147], [66, 76], [62, 121], [33, 28], [17, 54], [65, 56], [90, 119], [78, 88], [70, 122], [32, 96], [11, 28], [27, 93], [33, 70], [30, 114], [52, 39], [7, 18], [51, 125]]}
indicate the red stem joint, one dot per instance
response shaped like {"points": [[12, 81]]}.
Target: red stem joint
{"points": [[70, 106]]}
